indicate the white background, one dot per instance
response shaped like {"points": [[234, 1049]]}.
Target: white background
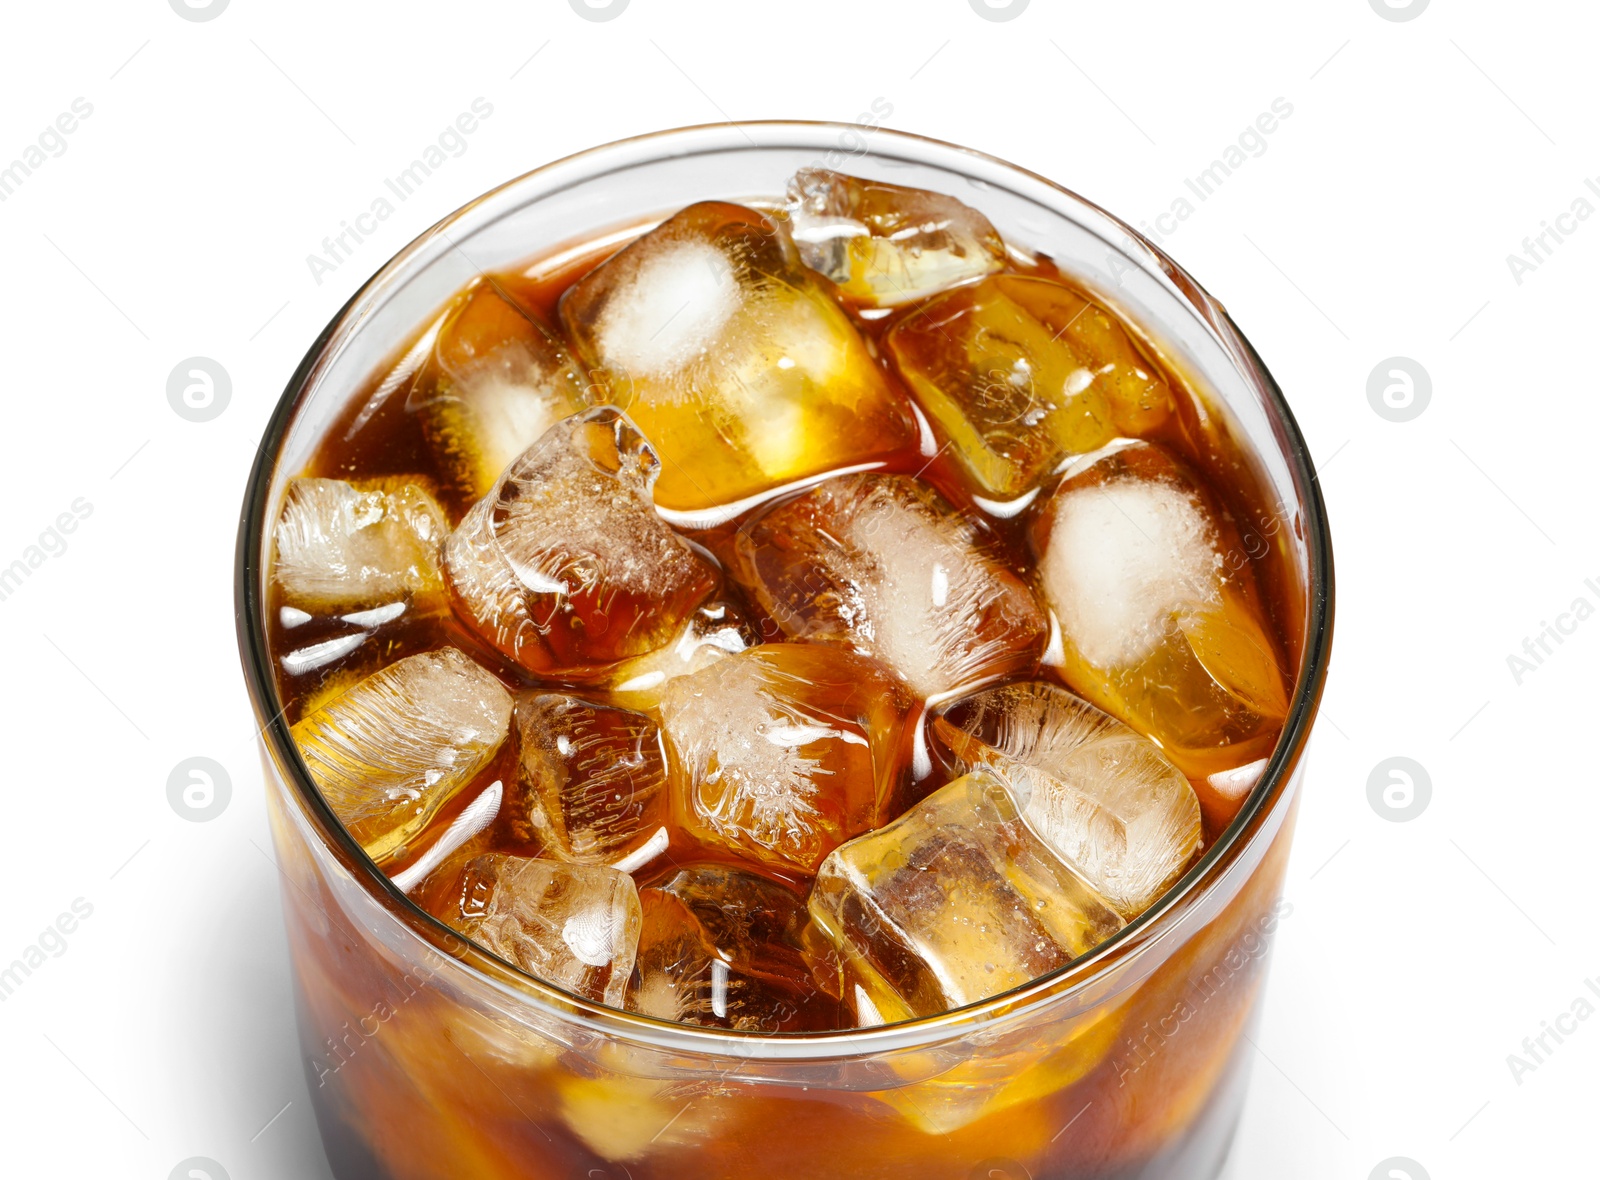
{"points": [[1418, 155]]}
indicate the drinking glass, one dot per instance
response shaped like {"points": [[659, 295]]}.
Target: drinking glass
{"points": [[428, 1058]]}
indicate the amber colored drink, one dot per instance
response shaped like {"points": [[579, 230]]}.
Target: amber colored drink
{"points": [[816, 712]]}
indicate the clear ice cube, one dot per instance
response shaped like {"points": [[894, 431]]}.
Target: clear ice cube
{"points": [[1019, 373], [345, 547], [1017, 1069], [497, 379], [565, 568], [955, 901], [783, 752], [715, 630], [592, 778], [1160, 619], [1140, 398], [1011, 398], [399, 745], [733, 359], [883, 565], [884, 244], [571, 925], [1104, 798], [721, 947]]}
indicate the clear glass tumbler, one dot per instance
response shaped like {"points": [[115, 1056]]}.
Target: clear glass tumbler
{"points": [[428, 1059]]}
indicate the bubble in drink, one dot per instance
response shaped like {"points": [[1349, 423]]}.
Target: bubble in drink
{"points": [[565, 567], [736, 364], [717, 629], [721, 947], [1102, 797], [574, 926], [400, 744], [955, 901], [883, 565], [592, 778], [353, 546], [497, 379], [783, 752], [1019, 373], [1159, 614], [884, 244]]}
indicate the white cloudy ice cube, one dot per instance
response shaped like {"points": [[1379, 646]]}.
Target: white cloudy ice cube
{"points": [[1162, 623], [883, 565], [352, 546], [733, 359]]}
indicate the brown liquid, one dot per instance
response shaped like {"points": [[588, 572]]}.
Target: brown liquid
{"points": [[1167, 1116], [364, 443]]}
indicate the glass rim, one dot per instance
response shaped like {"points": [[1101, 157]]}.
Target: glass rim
{"points": [[554, 1002]]}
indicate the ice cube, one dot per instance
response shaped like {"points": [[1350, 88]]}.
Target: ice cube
{"points": [[884, 244], [1019, 373], [593, 778], [347, 547], [720, 946], [321, 656], [1011, 397], [1105, 799], [785, 751], [953, 1088], [395, 748], [571, 925], [1160, 618], [497, 380], [565, 567], [955, 901], [733, 360], [624, 1117], [715, 630], [1140, 398], [881, 564]]}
